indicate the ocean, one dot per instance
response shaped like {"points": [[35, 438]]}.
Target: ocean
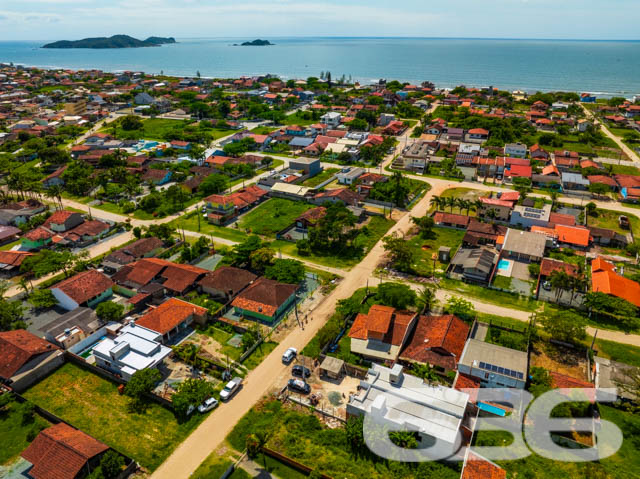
{"points": [[602, 67]]}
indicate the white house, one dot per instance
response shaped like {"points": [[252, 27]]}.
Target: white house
{"points": [[405, 402], [516, 150], [331, 119], [350, 174], [135, 348]]}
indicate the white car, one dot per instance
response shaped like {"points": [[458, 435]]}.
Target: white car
{"points": [[230, 388], [289, 354], [208, 405]]}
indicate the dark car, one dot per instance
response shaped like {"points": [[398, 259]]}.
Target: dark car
{"points": [[299, 385], [300, 371]]}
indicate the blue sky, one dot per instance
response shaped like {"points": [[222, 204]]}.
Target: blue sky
{"points": [[565, 19]]}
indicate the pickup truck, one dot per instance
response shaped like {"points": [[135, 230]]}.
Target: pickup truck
{"points": [[230, 388]]}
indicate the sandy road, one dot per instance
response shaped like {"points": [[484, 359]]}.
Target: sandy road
{"points": [[633, 156]]}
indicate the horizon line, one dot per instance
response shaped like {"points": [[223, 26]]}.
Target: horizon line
{"points": [[367, 37]]}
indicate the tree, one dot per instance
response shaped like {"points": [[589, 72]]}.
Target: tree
{"points": [[354, 433], [335, 232], [191, 392], [47, 261], [599, 189], [399, 251], [111, 464], [131, 122], [250, 337], [261, 258], [404, 439], [565, 326], [560, 281], [164, 231], [109, 311], [242, 251], [137, 232], [11, 314], [43, 299], [425, 224], [591, 208], [427, 298], [141, 383], [396, 295], [289, 271], [212, 184], [437, 201], [461, 308]]}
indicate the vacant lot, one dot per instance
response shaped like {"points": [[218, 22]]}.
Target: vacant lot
{"points": [[200, 224], [93, 405], [423, 249], [609, 219], [272, 216], [17, 431], [319, 178]]}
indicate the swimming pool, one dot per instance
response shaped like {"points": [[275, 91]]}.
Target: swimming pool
{"points": [[504, 264], [492, 409]]}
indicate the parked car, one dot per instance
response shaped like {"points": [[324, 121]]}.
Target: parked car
{"points": [[300, 371], [299, 386], [289, 354], [208, 405], [230, 388]]}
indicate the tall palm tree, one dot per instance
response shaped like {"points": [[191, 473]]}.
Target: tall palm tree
{"points": [[460, 203], [560, 281], [450, 202], [437, 202], [427, 298], [554, 197]]}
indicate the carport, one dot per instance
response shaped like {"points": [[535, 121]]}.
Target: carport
{"points": [[332, 367]]}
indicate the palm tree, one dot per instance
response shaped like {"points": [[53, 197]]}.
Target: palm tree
{"points": [[560, 281], [450, 202], [55, 193], [427, 298], [554, 197], [24, 285], [437, 201], [460, 203]]}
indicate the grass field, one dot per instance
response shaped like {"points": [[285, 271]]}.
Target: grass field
{"points": [[160, 129], [485, 295], [625, 170], [609, 219], [324, 176], [296, 119], [272, 216], [93, 405], [190, 222], [215, 466], [623, 353], [15, 431], [221, 337], [623, 464], [423, 249]]}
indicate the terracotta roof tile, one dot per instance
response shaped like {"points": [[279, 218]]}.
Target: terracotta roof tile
{"points": [[17, 348], [549, 265], [84, 286], [169, 314], [228, 279], [476, 467], [264, 296], [573, 235], [611, 283]]}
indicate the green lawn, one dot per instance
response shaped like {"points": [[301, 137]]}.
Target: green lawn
{"points": [[490, 296], [502, 282], [324, 176], [469, 194], [221, 337], [277, 468], [625, 170], [376, 229], [190, 222], [609, 219], [273, 216], [93, 405], [623, 353], [423, 249], [16, 433], [624, 464], [296, 119], [263, 130]]}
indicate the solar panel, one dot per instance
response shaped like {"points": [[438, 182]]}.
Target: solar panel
{"points": [[482, 365], [507, 372], [501, 370], [513, 374], [520, 376], [494, 368]]}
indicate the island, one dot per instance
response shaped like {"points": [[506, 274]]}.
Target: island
{"points": [[255, 43], [116, 41]]}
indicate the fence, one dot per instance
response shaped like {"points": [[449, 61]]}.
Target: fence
{"points": [[291, 462], [131, 465]]}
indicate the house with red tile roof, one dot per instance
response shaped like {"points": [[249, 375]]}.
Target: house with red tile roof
{"points": [[451, 220], [382, 332], [265, 300], [172, 318], [437, 341], [226, 282], [574, 236], [338, 195], [63, 452], [10, 261], [84, 289], [502, 208], [26, 358], [63, 220], [175, 278], [477, 467], [613, 284]]}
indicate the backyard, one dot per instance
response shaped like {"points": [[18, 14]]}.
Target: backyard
{"points": [[92, 404], [423, 249], [272, 216], [17, 429], [609, 219], [320, 178], [162, 129]]}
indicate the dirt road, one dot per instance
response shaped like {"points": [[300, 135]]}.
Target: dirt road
{"points": [[633, 156]]}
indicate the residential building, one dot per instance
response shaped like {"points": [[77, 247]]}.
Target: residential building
{"points": [[400, 400], [526, 216], [310, 218], [133, 349], [474, 265], [310, 166], [10, 261], [84, 289], [76, 108], [289, 191], [573, 236], [349, 175], [226, 282], [501, 208], [63, 220], [26, 358], [332, 119], [517, 150], [176, 278], [437, 341], [36, 238], [339, 195], [172, 318], [574, 181], [142, 248], [72, 327], [63, 452], [495, 366], [524, 245], [451, 220], [477, 467], [265, 300], [479, 233], [381, 333], [613, 284]]}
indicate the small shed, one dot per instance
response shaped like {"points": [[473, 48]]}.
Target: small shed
{"points": [[332, 367], [444, 254]]}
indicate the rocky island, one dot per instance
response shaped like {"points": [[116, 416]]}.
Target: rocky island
{"points": [[116, 41], [254, 43]]}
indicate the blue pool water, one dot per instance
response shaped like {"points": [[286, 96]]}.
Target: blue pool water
{"points": [[492, 409], [504, 264]]}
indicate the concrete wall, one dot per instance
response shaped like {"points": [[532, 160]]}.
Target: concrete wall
{"points": [[65, 301], [36, 370]]}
